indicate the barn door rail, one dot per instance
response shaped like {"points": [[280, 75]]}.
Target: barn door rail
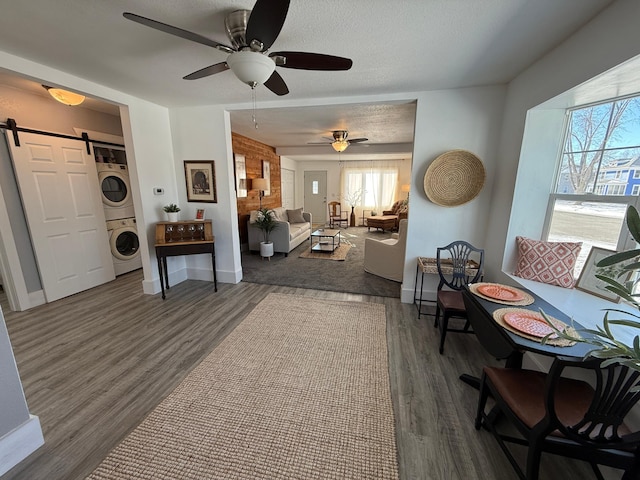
{"points": [[13, 126]]}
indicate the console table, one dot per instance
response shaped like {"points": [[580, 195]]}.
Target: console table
{"points": [[183, 238]]}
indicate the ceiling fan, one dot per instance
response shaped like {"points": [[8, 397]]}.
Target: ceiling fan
{"points": [[251, 33], [339, 141]]}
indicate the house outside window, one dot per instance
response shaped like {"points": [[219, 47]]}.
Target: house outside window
{"points": [[598, 177]]}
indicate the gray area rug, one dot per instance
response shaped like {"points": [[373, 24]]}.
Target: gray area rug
{"points": [[299, 390], [347, 276]]}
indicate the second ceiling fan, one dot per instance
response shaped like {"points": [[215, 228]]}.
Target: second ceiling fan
{"points": [[339, 141], [251, 33]]}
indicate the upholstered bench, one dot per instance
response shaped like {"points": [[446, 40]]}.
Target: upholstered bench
{"points": [[383, 222]]}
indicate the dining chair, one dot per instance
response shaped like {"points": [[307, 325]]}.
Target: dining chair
{"points": [[456, 270], [565, 416], [336, 215]]}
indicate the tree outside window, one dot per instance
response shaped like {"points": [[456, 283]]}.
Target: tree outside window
{"points": [[598, 176]]}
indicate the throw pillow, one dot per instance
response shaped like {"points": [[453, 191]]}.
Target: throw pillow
{"points": [[547, 262], [295, 216], [253, 216]]}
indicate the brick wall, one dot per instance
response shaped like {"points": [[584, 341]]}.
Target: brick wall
{"points": [[254, 153]]}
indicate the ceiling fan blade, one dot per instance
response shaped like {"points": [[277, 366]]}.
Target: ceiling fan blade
{"points": [[206, 71], [178, 32], [276, 84], [265, 23], [357, 140], [312, 61]]}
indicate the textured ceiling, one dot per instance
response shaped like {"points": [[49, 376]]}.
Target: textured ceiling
{"points": [[408, 46]]}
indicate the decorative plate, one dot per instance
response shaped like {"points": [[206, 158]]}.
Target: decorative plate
{"points": [[500, 292], [529, 322]]}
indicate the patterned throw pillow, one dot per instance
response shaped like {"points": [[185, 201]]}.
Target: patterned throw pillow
{"points": [[547, 262]]}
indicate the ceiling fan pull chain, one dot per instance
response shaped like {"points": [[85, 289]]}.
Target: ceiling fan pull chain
{"points": [[253, 100]]}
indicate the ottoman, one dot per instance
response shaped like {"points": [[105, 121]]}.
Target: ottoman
{"points": [[383, 222]]}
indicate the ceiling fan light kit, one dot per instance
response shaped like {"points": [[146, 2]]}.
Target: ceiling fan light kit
{"points": [[251, 33], [340, 145], [252, 68]]}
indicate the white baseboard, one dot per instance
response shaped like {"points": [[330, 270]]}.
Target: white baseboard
{"points": [[152, 287], [19, 443], [36, 298]]}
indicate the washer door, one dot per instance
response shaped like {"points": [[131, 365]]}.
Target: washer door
{"points": [[125, 244], [115, 188]]}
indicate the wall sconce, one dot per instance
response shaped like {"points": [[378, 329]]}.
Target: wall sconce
{"points": [[260, 184], [64, 96]]}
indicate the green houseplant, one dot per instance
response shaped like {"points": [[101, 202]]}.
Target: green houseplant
{"points": [[619, 265], [266, 221], [171, 208], [171, 212]]}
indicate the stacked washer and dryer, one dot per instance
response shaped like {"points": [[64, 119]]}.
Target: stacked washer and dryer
{"points": [[118, 209]]}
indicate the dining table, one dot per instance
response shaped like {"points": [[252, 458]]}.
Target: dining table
{"points": [[505, 344]]}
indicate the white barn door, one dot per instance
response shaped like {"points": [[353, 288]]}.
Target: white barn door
{"points": [[59, 188]]}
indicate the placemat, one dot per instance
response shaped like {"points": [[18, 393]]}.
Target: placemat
{"points": [[528, 299], [499, 314]]}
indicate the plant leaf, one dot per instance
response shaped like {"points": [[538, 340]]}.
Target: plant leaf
{"points": [[633, 222], [617, 258]]}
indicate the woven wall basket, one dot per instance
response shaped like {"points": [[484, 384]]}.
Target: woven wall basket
{"points": [[454, 178]]}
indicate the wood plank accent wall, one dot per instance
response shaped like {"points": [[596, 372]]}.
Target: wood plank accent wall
{"points": [[254, 153]]}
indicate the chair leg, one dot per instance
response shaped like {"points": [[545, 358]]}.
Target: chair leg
{"points": [[482, 401], [533, 460], [443, 331], [437, 318]]}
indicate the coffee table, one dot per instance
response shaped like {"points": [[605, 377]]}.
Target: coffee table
{"points": [[326, 240]]}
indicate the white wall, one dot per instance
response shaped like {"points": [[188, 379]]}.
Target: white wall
{"points": [[609, 39], [204, 133], [467, 119]]}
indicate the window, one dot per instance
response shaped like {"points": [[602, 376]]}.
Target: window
{"points": [[314, 187], [373, 185], [594, 184]]}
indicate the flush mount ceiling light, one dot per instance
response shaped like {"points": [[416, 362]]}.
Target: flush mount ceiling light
{"points": [[64, 96]]}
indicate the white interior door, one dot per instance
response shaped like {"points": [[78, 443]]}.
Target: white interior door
{"points": [[59, 188], [288, 178], [315, 195]]}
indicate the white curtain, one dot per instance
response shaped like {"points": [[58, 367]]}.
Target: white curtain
{"points": [[369, 185]]}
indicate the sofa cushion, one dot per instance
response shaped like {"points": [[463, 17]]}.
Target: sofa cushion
{"points": [[296, 229], [281, 214], [253, 216], [295, 216], [547, 262]]}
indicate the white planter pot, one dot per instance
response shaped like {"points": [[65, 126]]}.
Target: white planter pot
{"points": [[266, 249], [172, 216]]}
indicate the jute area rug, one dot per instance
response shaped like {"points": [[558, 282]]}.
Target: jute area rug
{"points": [[299, 390], [339, 253]]}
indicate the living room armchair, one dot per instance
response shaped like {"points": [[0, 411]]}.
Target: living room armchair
{"points": [[385, 258]]}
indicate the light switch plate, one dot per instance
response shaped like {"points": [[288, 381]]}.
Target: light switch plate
{"points": [[158, 191]]}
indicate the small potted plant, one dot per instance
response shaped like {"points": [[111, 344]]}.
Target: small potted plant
{"points": [[266, 221], [171, 211]]}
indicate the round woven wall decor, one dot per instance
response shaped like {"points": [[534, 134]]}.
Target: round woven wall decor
{"points": [[454, 178]]}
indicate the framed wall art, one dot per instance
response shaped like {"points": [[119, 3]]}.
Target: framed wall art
{"points": [[266, 174], [587, 282], [241, 175], [200, 176]]}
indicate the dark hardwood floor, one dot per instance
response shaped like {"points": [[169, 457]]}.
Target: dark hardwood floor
{"points": [[95, 364]]}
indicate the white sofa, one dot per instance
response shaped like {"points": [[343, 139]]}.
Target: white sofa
{"points": [[286, 236], [385, 258]]}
